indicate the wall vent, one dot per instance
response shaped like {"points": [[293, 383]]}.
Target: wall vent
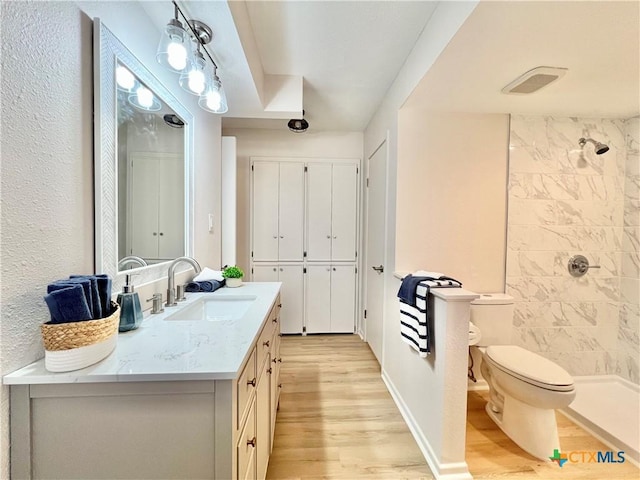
{"points": [[534, 80]]}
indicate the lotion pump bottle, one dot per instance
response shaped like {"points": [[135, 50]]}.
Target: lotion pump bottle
{"points": [[130, 310]]}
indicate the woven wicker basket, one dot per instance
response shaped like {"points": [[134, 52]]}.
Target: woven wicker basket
{"points": [[75, 345], [65, 336]]}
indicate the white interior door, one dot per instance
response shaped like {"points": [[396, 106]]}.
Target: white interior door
{"points": [[265, 210], [291, 212], [344, 217], [318, 299], [319, 211], [374, 290], [343, 298]]}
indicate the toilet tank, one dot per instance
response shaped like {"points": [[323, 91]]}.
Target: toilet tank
{"points": [[492, 313]]}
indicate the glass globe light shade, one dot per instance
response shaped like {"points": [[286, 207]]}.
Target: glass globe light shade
{"points": [[175, 50]]}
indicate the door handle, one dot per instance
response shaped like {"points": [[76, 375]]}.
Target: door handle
{"points": [[379, 269]]}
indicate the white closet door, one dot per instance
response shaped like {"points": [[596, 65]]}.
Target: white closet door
{"points": [[343, 298], [171, 207], [318, 299], [265, 210], [291, 212], [319, 211], [343, 213], [264, 273], [292, 297], [144, 206]]}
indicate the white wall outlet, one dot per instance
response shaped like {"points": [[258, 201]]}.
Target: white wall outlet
{"points": [[211, 223]]}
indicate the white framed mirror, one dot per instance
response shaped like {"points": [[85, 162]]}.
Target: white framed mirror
{"points": [[143, 165]]}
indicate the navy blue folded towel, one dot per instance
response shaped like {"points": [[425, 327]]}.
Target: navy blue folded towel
{"points": [[68, 304], [407, 292], [203, 286], [89, 293]]}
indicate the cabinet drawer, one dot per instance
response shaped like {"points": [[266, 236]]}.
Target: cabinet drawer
{"points": [[246, 387], [246, 448]]}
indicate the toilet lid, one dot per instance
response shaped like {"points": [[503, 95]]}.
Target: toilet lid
{"points": [[530, 367]]}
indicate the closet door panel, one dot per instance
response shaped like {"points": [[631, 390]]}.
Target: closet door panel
{"points": [[144, 206], [343, 298], [291, 212], [318, 299], [265, 210], [171, 202], [344, 216], [264, 273], [292, 297], [319, 211]]}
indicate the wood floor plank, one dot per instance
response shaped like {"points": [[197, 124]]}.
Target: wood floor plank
{"points": [[337, 421]]}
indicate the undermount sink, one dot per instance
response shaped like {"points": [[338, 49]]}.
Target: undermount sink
{"points": [[215, 309]]}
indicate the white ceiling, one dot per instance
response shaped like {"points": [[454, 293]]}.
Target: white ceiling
{"points": [[599, 43], [349, 53]]}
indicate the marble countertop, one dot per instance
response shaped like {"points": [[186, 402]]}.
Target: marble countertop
{"points": [[168, 350]]}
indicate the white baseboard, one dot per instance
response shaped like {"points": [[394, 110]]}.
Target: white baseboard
{"points": [[441, 471]]}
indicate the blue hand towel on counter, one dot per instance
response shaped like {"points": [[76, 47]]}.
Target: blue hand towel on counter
{"points": [[101, 284], [203, 286], [70, 282], [68, 304], [96, 304]]}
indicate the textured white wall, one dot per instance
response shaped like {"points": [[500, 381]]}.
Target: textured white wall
{"points": [[281, 143], [47, 162], [47, 170]]}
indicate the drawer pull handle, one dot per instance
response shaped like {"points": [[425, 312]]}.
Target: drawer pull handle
{"points": [[280, 360], [279, 385], [275, 320], [252, 382], [252, 442], [270, 371], [266, 343], [279, 305], [274, 360]]}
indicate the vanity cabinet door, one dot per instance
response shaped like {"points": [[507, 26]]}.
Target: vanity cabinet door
{"points": [[246, 447], [263, 419], [330, 298]]}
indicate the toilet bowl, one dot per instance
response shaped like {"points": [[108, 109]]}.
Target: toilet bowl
{"points": [[524, 387]]}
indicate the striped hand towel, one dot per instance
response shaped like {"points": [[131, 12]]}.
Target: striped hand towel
{"points": [[414, 315]]}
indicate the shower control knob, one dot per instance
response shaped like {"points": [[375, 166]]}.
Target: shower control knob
{"points": [[579, 265]]}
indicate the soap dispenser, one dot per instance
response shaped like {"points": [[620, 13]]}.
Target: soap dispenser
{"points": [[130, 310]]}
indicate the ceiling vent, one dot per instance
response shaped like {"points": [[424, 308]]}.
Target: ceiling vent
{"points": [[534, 80]]}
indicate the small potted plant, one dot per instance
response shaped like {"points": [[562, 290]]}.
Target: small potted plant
{"points": [[233, 276]]}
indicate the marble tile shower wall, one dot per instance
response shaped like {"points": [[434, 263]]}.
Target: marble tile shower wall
{"points": [[565, 201], [628, 333]]}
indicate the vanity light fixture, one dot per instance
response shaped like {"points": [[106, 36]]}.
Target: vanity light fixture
{"points": [[176, 51]]}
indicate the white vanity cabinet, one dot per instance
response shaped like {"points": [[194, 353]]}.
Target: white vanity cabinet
{"points": [[119, 424]]}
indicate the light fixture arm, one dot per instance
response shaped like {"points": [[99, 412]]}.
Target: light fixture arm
{"points": [[199, 30]]}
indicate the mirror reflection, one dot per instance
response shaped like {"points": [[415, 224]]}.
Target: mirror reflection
{"points": [[151, 175]]}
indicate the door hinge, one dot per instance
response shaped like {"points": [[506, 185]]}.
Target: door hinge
{"points": [[304, 254], [304, 329], [306, 169], [252, 168], [251, 253], [251, 270], [356, 269], [356, 254], [365, 313], [304, 270], [367, 182]]}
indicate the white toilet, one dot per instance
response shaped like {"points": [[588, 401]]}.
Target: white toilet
{"points": [[525, 388]]}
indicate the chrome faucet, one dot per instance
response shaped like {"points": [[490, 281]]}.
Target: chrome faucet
{"points": [[131, 259], [171, 291]]}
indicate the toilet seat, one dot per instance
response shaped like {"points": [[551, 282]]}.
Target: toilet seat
{"points": [[530, 367]]}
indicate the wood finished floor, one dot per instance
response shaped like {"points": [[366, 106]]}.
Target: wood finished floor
{"points": [[337, 421]]}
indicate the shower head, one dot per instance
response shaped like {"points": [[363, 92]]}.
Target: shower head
{"points": [[599, 147]]}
